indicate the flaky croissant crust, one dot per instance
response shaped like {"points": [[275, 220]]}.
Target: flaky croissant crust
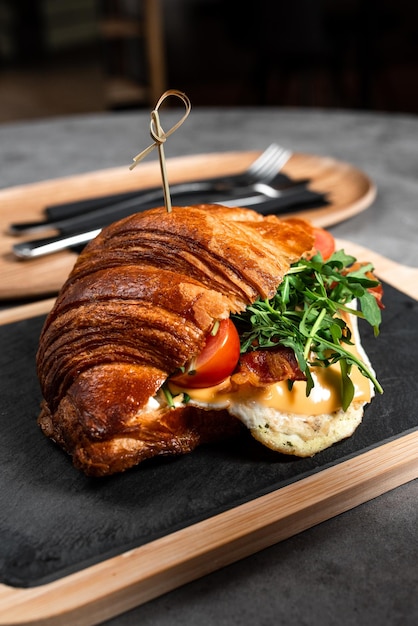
{"points": [[138, 305]]}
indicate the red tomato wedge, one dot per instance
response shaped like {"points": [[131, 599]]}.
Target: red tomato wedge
{"points": [[324, 242], [216, 361], [377, 292]]}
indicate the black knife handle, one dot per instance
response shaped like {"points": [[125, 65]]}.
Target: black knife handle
{"points": [[79, 207]]}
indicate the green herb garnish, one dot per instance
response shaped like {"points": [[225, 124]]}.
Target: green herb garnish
{"points": [[168, 396], [303, 315]]}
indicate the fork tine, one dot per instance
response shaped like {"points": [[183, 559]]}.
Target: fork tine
{"points": [[264, 159], [269, 162], [271, 170]]}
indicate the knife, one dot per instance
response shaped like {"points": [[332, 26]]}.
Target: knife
{"points": [[98, 218], [73, 216], [224, 183], [45, 246]]}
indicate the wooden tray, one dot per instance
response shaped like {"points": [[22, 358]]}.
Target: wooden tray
{"points": [[350, 191], [117, 584]]}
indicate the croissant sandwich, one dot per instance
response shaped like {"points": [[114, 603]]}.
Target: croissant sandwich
{"points": [[181, 328]]}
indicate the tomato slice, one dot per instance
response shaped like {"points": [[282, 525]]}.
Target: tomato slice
{"points": [[216, 361], [324, 242], [377, 292]]}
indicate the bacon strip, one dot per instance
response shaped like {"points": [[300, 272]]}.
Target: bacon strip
{"points": [[265, 367]]}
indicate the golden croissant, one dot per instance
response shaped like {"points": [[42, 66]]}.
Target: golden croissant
{"points": [[137, 307]]}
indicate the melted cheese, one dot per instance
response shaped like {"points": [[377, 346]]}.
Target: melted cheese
{"points": [[324, 398]]}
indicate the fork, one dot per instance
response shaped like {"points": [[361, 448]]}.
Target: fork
{"points": [[262, 170]]}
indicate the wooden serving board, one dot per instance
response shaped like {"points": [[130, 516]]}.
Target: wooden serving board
{"points": [[349, 189], [114, 585]]}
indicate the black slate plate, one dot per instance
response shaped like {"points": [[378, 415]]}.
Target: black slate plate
{"points": [[54, 520]]}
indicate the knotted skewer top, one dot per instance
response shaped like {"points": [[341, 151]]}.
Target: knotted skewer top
{"points": [[160, 136]]}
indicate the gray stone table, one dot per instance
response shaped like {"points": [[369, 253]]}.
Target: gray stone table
{"points": [[362, 566], [384, 146]]}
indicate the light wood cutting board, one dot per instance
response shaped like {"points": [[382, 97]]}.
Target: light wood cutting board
{"points": [[116, 585], [350, 191]]}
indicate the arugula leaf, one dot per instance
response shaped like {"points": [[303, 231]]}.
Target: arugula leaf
{"points": [[304, 315]]}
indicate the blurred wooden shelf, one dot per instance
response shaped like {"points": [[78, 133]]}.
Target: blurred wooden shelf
{"points": [[120, 91], [120, 28], [134, 47]]}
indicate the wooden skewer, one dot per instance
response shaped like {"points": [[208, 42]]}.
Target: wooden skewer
{"points": [[160, 136], [155, 120]]}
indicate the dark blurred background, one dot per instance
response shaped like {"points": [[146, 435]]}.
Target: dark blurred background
{"points": [[60, 57]]}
